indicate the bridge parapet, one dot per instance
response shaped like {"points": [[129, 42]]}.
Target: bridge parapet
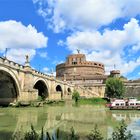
{"points": [[14, 65], [40, 74], [10, 63]]}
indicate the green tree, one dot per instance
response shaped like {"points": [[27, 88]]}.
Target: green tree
{"points": [[122, 133], [114, 88], [75, 96], [95, 134]]}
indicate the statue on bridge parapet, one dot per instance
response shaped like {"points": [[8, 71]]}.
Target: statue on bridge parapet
{"points": [[27, 58], [27, 63]]}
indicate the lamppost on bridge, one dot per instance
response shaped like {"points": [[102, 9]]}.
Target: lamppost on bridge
{"points": [[5, 54]]}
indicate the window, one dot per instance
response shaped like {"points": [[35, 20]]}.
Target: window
{"points": [[74, 61], [117, 104]]}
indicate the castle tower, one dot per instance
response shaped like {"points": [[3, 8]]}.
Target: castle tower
{"points": [[115, 73]]}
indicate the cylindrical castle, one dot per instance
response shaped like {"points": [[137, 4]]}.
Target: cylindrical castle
{"points": [[77, 68]]}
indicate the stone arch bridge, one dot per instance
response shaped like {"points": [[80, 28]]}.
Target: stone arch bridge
{"points": [[22, 83]]}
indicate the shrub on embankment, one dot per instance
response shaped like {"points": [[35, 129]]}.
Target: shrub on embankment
{"points": [[120, 133]]}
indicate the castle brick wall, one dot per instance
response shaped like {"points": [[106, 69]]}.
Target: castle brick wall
{"points": [[132, 90]]}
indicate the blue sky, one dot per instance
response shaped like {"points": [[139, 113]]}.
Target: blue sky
{"points": [[107, 31]]}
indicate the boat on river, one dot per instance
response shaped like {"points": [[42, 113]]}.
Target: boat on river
{"points": [[125, 104]]}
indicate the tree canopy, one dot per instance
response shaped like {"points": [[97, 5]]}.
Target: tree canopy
{"points": [[114, 88]]}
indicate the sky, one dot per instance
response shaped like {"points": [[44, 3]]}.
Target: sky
{"points": [[107, 31]]}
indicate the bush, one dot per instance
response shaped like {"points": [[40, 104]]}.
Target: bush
{"points": [[121, 133], [32, 135], [75, 96], [73, 135], [41, 98], [95, 134]]}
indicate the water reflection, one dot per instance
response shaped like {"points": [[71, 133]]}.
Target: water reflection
{"points": [[82, 118], [132, 118], [128, 116]]}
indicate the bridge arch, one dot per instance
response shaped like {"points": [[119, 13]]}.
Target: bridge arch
{"points": [[69, 90], [59, 89], [42, 87], [9, 86]]}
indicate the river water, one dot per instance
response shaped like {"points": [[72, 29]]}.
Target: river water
{"points": [[82, 118]]}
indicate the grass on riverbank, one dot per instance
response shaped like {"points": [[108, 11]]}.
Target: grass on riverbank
{"points": [[93, 101]]}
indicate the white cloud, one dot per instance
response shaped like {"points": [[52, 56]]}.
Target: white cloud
{"points": [[109, 46], [136, 47], [110, 40], [56, 62], [60, 43], [18, 55], [49, 71], [46, 69], [20, 40], [43, 54], [85, 15]]}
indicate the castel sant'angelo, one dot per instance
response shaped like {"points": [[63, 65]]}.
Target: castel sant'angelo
{"points": [[77, 69], [90, 75]]}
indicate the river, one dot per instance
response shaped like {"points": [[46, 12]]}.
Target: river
{"points": [[82, 118]]}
